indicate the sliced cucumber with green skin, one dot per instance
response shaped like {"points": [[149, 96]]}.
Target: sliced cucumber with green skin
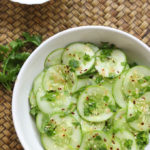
{"points": [[89, 126], [99, 140], [138, 113], [95, 104], [84, 82], [32, 99], [54, 58], [119, 97], [41, 118], [134, 83], [94, 141], [112, 66], [127, 140], [99, 80], [64, 135], [119, 121], [93, 47], [37, 83], [61, 102], [59, 78], [82, 55]]}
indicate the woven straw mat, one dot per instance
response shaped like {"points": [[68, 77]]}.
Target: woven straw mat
{"points": [[47, 19]]}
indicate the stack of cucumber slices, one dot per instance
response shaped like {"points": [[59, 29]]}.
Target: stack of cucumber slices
{"points": [[89, 98]]}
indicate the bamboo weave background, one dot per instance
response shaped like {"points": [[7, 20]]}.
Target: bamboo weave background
{"points": [[132, 16]]}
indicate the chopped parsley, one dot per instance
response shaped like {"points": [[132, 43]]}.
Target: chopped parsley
{"points": [[106, 98], [105, 54], [99, 79], [106, 50], [128, 144], [86, 57], [73, 64], [98, 138], [50, 95], [49, 128], [34, 111], [142, 139], [90, 106]]}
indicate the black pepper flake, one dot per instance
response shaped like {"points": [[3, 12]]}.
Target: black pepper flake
{"points": [[134, 102], [142, 123]]}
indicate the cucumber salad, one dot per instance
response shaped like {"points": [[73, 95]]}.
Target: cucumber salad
{"points": [[89, 98]]}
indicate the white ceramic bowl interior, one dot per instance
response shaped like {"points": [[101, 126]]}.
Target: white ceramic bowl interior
{"points": [[24, 124], [30, 2]]}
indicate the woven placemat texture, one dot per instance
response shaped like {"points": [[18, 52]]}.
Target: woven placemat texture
{"points": [[47, 19]]}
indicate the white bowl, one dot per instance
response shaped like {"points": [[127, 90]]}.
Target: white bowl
{"points": [[30, 2], [25, 127]]}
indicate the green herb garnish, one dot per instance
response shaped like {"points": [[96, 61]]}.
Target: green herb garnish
{"points": [[99, 79], [142, 139], [90, 106], [106, 98], [73, 64], [12, 58], [128, 144], [50, 95], [87, 57], [34, 111], [49, 128]]}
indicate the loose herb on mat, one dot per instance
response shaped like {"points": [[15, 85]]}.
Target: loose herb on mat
{"points": [[12, 57]]}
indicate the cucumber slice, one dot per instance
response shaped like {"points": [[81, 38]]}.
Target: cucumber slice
{"points": [[93, 141], [99, 140], [111, 66], [119, 97], [89, 126], [127, 140], [93, 47], [53, 102], [95, 104], [38, 82], [65, 133], [84, 82], [32, 99], [99, 80], [40, 120], [79, 57], [135, 81], [54, 58], [59, 77], [119, 121], [138, 114]]}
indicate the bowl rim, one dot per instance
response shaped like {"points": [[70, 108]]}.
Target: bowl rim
{"points": [[16, 89], [31, 2]]}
